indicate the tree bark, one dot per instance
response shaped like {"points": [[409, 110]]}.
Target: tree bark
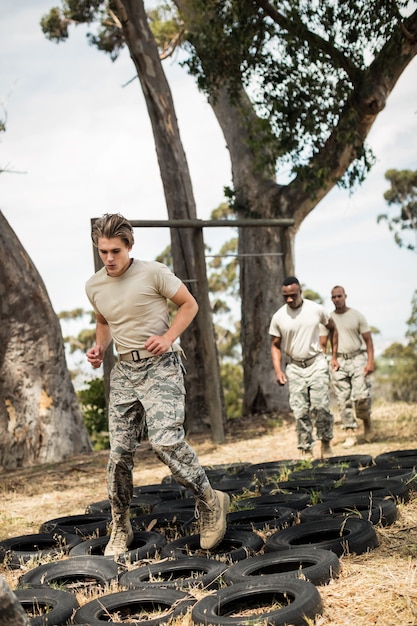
{"points": [[204, 404], [11, 611], [40, 420]]}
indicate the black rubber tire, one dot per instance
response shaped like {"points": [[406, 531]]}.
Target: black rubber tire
{"points": [[217, 609], [375, 510], [269, 497], [59, 605], [310, 486], [127, 603], [321, 473], [230, 469], [141, 504], [261, 518], [379, 488], [85, 570], [266, 477], [84, 525], [235, 546], [234, 485], [18, 550], [268, 469], [163, 492], [144, 546], [352, 460], [170, 525], [406, 474], [214, 474], [170, 506], [313, 564], [342, 536], [398, 458], [183, 573]]}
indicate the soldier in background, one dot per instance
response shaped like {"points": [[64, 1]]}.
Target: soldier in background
{"points": [[355, 362], [295, 329]]}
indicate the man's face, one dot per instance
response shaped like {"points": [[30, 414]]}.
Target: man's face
{"points": [[115, 255], [338, 298], [292, 295]]}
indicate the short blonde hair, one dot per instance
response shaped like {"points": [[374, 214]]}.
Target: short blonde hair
{"points": [[112, 225]]}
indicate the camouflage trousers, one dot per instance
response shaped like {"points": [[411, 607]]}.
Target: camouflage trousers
{"points": [[149, 394], [352, 390], [309, 401]]}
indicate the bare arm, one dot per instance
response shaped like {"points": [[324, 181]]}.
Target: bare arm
{"points": [[95, 355], [276, 354], [334, 343], [323, 343], [187, 310], [370, 365]]}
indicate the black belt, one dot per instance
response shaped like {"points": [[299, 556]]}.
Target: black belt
{"points": [[349, 355], [304, 362]]}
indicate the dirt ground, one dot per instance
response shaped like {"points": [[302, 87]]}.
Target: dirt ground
{"points": [[376, 588]]}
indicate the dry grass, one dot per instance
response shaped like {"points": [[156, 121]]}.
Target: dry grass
{"points": [[376, 588]]}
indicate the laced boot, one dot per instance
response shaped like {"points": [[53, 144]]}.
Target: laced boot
{"points": [[363, 412], [350, 440], [307, 454], [121, 535], [212, 509], [326, 449], [367, 427]]}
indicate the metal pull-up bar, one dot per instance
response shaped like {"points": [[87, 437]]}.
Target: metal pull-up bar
{"points": [[214, 405], [197, 223]]}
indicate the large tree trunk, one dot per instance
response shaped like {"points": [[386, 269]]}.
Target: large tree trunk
{"points": [[40, 420], [258, 195], [204, 403]]}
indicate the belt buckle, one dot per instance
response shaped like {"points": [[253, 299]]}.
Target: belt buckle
{"points": [[135, 355], [304, 363]]}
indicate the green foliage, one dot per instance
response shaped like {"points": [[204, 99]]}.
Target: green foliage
{"points": [[300, 63], [403, 196], [92, 396], [93, 407], [399, 362], [231, 375], [165, 257], [167, 29], [223, 266], [55, 26], [107, 36], [71, 315], [310, 294], [86, 337], [411, 333]]}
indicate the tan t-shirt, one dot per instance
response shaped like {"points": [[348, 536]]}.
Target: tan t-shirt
{"points": [[350, 327], [299, 328], [135, 303]]}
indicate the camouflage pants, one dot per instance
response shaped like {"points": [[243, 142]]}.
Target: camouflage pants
{"points": [[352, 390], [149, 394], [309, 401]]}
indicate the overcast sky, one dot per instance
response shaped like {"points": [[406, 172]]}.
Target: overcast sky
{"points": [[79, 143]]}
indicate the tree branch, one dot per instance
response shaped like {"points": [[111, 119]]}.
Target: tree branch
{"points": [[300, 29]]}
